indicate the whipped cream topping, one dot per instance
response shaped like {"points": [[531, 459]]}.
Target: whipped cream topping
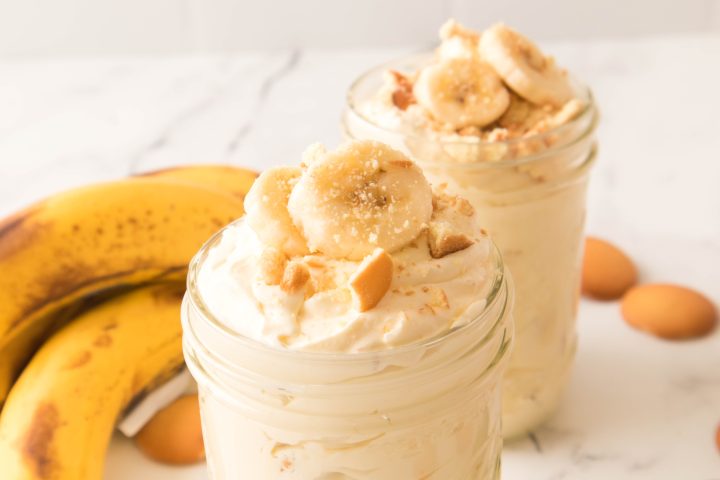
{"points": [[436, 100], [427, 297], [437, 279]]}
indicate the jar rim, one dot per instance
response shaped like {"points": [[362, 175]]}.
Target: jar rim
{"points": [[499, 280], [588, 114]]}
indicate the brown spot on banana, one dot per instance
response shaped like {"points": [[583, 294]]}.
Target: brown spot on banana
{"points": [[13, 222], [16, 231], [73, 284], [16, 350], [102, 341], [37, 442], [54, 268], [168, 295], [111, 326], [79, 360]]}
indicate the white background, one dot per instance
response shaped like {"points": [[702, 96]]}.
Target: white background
{"points": [[100, 27]]}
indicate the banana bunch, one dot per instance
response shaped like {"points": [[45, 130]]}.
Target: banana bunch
{"points": [[90, 309]]}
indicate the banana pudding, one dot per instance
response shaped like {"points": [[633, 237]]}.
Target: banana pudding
{"points": [[492, 118], [354, 325], [477, 88]]}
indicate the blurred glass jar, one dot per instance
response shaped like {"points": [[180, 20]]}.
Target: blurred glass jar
{"points": [[530, 194], [430, 410]]}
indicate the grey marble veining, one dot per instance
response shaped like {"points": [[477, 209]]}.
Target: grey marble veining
{"points": [[637, 407]]}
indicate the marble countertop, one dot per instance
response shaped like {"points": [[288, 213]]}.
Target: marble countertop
{"points": [[637, 407]]}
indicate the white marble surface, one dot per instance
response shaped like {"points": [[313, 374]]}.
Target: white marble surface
{"points": [[637, 408]]}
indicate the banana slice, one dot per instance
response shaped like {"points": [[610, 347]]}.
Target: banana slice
{"points": [[524, 67], [267, 212], [461, 92], [457, 41], [454, 29], [360, 197]]}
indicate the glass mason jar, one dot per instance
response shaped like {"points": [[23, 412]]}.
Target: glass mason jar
{"points": [[530, 195], [429, 410]]}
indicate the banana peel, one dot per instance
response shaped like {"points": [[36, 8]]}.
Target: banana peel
{"points": [[60, 415], [92, 239]]}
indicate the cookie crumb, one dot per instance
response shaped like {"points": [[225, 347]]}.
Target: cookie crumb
{"points": [[372, 280], [295, 276], [272, 266], [442, 241], [402, 95]]}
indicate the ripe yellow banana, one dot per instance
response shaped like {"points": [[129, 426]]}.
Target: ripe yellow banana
{"points": [[225, 178], [92, 239], [60, 415]]}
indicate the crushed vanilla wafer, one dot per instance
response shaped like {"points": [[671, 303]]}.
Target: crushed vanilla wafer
{"points": [[272, 266], [402, 95], [295, 277], [439, 299], [450, 229], [443, 201], [443, 240], [371, 280]]}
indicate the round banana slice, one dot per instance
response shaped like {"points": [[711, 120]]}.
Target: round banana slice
{"points": [[267, 214], [360, 197], [523, 67], [454, 29], [461, 92], [457, 41]]}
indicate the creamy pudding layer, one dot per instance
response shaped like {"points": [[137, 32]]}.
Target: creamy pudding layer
{"points": [[427, 297], [428, 294], [495, 120]]}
